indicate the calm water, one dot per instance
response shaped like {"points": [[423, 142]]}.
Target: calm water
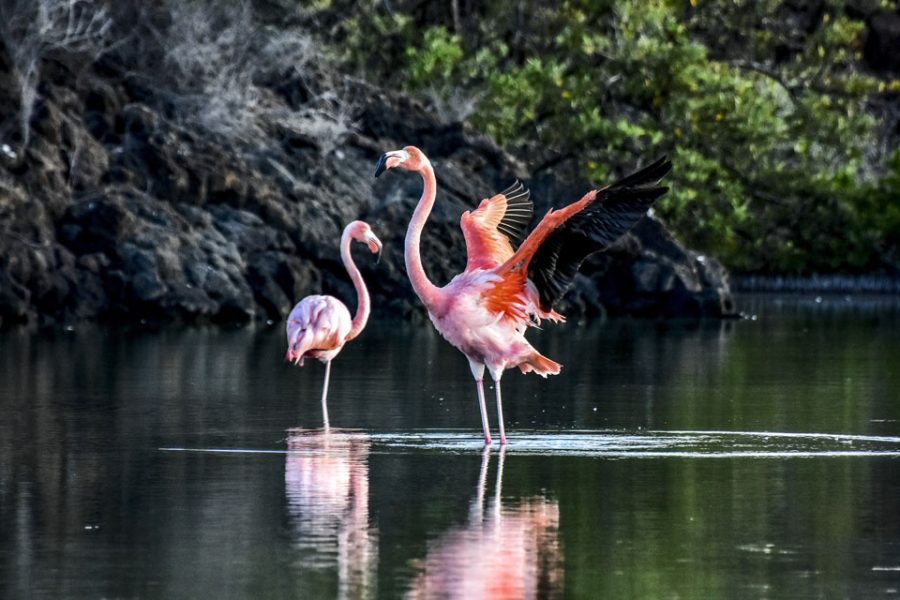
{"points": [[751, 459]]}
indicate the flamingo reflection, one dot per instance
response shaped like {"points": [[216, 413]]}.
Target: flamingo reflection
{"points": [[326, 479], [501, 552]]}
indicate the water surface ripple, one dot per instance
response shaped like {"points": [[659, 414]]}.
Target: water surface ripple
{"points": [[619, 444]]}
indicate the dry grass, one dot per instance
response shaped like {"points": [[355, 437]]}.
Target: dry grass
{"points": [[219, 61], [217, 56], [32, 29]]}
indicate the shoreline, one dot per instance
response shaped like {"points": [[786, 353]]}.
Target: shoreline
{"points": [[818, 284]]}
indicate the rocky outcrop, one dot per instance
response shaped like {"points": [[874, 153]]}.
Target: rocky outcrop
{"points": [[882, 41], [114, 209]]}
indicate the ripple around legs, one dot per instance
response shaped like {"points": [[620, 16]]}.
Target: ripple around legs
{"points": [[615, 444], [658, 444]]}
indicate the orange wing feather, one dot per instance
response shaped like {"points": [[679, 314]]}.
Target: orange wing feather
{"points": [[485, 245], [507, 294]]}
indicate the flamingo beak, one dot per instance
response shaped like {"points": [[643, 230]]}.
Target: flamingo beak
{"points": [[374, 245], [389, 160], [380, 167], [294, 357]]}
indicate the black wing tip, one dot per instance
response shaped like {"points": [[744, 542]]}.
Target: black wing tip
{"points": [[662, 165], [517, 193], [648, 175], [520, 196], [518, 213], [515, 188], [619, 208]]}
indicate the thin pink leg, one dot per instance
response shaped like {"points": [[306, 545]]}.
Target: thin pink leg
{"points": [[500, 413], [325, 394], [484, 418]]}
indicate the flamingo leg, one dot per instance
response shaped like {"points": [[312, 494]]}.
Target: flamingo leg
{"points": [[484, 418], [500, 413], [325, 393], [478, 373]]}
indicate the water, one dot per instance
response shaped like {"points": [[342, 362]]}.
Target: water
{"points": [[751, 459]]}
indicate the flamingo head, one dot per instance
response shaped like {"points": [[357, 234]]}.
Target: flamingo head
{"points": [[294, 352], [294, 357], [361, 232], [410, 158]]}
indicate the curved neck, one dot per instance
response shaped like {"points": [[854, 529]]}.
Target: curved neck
{"points": [[425, 290], [363, 305]]}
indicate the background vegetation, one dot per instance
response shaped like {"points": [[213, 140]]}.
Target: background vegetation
{"points": [[784, 142]]}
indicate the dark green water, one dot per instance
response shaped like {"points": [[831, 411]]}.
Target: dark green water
{"points": [[751, 459]]}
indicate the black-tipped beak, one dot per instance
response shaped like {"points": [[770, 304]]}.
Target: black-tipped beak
{"points": [[379, 168]]}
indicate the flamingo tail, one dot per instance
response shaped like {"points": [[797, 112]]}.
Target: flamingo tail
{"points": [[540, 364]]}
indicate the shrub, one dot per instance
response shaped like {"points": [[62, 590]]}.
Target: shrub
{"points": [[218, 54], [764, 107]]}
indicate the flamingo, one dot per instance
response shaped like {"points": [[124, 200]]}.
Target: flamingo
{"points": [[319, 326], [485, 310]]}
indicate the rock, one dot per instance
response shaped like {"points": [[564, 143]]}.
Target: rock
{"points": [[116, 209], [15, 300]]}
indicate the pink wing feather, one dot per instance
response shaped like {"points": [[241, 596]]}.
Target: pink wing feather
{"points": [[492, 227]]}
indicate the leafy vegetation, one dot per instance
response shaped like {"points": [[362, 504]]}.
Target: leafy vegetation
{"points": [[781, 165]]}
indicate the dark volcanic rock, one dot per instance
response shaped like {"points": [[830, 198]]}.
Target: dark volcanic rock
{"points": [[882, 47], [110, 209]]}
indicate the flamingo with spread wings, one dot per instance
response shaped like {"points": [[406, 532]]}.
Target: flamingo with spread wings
{"points": [[485, 310], [319, 326]]}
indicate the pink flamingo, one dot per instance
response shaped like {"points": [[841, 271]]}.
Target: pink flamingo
{"points": [[485, 310], [319, 326]]}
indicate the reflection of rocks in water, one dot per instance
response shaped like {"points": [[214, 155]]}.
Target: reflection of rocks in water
{"points": [[502, 551], [326, 480]]}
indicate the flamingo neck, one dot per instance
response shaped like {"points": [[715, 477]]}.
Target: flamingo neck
{"points": [[425, 290], [363, 305]]}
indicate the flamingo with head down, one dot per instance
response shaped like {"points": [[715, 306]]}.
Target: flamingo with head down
{"points": [[319, 326], [485, 310]]}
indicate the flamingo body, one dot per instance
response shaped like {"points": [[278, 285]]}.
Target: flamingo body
{"points": [[485, 335], [486, 310], [317, 328]]}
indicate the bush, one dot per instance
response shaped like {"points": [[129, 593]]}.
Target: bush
{"points": [[764, 107]]}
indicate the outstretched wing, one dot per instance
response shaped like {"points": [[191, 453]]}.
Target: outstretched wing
{"points": [[497, 223], [553, 252], [617, 209]]}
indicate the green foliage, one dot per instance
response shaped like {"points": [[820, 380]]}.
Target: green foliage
{"points": [[762, 105], [436, 60]]}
